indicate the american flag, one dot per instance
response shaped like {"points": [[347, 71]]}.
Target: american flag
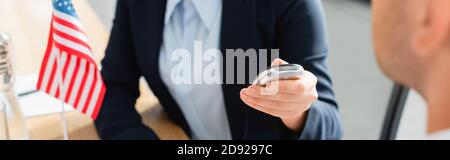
{"points": [[68, 71]]}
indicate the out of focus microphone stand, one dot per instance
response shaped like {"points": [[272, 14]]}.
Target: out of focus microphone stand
{"points": [[7, 80]]}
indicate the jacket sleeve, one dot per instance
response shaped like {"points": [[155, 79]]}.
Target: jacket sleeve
{"points": [[301, 38], [118, 118]]}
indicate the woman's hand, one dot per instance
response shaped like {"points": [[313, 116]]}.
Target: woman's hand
{"points": [[288, 99]]}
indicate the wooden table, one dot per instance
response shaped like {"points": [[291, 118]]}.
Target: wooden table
{"points": [[28, 22]]}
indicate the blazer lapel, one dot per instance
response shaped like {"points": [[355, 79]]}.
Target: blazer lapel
{"points": [[148, 22], [238, 24]]}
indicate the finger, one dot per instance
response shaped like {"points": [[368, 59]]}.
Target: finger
{"points": [[275, 105], [303, 104], [263, 109], [270, 111], [284, 109], [259, 92], [296, 86], [277, 62]]}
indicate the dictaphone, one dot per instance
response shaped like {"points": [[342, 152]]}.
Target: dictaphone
{"points": [[280, 72]]}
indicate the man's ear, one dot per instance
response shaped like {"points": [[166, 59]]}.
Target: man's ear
{"points": [[434, 27]]}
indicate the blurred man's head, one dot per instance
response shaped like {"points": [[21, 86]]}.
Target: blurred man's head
{"points": [[412, 43], [410, 37]]}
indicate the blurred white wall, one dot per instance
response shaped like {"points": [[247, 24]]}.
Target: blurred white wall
{"points": [[105, 10], [413, 122], [362, 91]]}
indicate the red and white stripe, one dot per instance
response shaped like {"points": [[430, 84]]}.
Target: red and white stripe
{"points": [[68, 71]]}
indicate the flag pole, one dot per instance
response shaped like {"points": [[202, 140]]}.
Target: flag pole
{"points": [[62, 114], [64, 121]]}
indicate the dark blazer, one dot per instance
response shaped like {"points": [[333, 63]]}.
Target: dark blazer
{"points": [[295, 27]]}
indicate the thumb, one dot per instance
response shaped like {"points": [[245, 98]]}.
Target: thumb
{"points": [[278, 62]]}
